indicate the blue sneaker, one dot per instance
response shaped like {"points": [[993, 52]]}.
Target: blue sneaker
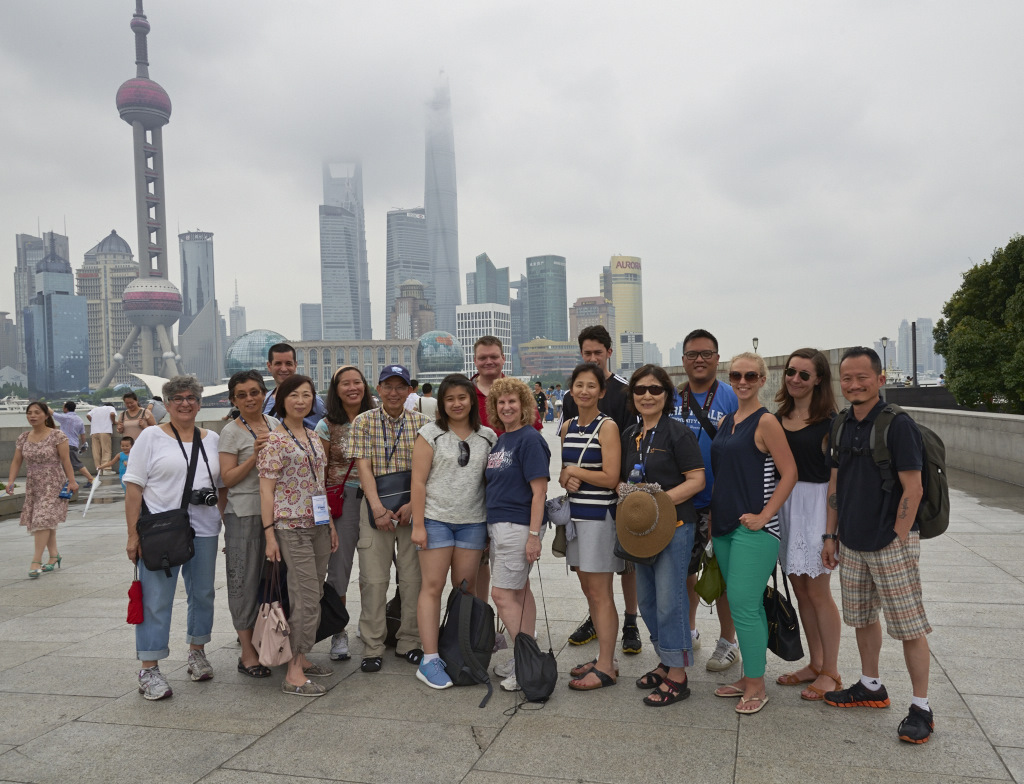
{"points": [[433, 674]]}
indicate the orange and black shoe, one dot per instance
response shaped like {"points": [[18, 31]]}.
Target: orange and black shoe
{"points": [[918, 726], [858, 696]]}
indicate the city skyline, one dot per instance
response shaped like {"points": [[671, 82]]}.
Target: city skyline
{"points": [[775, 175]]}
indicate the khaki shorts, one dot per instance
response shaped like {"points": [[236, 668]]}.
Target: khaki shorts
{"points": [[886, 578], [509, 568]]}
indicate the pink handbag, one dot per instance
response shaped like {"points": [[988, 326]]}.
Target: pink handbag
{"points": [[270, 635]]}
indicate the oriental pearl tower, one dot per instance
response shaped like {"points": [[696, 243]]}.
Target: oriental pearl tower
{"points": [[152, 303]]}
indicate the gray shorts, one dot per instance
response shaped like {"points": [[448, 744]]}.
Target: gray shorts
{"points": [[76, 460], [593, 548]]}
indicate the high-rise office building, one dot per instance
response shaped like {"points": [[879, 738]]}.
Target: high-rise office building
{"points": [[440, 201], [236, 317], [411, 315], [407, 256], [475, 321], [904, 349], [589, 312], [519, 307], [339, 275], [675, 354], [311, 324], [56, 330], [630, 352], [8, 343], [343, 187], [199, 330], [652, 354], [928, 362], [622, 283], [545, 280], [107, 270], [152, 303], [487, 284], [30, 251]]}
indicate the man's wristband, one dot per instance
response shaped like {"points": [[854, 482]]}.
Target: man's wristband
{"points": [[833, 537]]}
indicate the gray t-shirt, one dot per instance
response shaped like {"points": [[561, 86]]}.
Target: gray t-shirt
{"points": [[243, 498], [455, 494]]}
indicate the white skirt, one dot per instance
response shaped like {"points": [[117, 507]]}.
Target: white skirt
{"points": [[801, 524]]}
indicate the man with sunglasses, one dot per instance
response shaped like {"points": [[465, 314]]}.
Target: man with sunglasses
{"points": [[702, 403]]}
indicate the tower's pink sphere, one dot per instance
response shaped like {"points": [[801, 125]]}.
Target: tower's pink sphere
{"points": [[143, 100], [152, 302]]}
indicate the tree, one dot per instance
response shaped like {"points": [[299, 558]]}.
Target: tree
{"points": [[982, 332]]}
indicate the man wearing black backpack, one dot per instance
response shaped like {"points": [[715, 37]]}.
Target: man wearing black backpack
{"points": [[872, 535]]}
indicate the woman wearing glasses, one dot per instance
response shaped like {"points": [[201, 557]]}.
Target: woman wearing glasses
{"points": [[667, 452], [449, 518], [806, 408], [746, 454], [241, 442]]}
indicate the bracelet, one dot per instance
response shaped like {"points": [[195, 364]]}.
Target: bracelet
{"points": [[833, 537], [266, 527], [534, 533]]}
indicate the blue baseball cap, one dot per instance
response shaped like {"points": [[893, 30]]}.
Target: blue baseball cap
{"points": [[394, 371]]}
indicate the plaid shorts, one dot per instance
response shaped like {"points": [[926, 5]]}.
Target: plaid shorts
{"points": [[886, 578]]}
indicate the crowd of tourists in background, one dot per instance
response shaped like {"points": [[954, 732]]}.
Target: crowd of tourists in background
{"points": [[452, 489]]}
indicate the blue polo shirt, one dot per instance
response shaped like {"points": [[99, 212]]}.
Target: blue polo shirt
{"points": [[866, 516], [722, 404]]}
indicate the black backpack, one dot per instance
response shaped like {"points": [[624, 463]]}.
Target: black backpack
{"points": [[466, 639], [933, 513]]}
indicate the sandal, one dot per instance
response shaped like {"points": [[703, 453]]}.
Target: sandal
{"points": [[603, 679], [371, 664], [415, 656], [761, 702], [256, 671], [821, 692], [728, 691], [673, 692], [790, 678], [580, 670], [33, 573], [652, 679]]}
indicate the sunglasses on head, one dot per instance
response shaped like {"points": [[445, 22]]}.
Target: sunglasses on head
{"points": [[463, 454], [641, 389], [750, 376], [804, 375]]}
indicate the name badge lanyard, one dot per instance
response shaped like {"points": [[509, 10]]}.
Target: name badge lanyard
{"points": [[251, 431], [394, 447], [707, 400], [644, 455], [309, 459]]}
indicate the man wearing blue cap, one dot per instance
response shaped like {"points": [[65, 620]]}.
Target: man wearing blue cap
{"points": [[381, 443]]}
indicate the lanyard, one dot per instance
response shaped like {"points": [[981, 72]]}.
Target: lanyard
{"points": [[639, 445], [312, 467], [707, 400], [251, 431], [394, 447]]}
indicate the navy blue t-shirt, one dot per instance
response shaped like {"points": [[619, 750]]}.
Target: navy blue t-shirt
{"points": [[517, 458]]}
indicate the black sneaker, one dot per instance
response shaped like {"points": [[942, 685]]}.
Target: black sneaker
{"points": [[918, 725], [584, 633], [858, 696], [631, 643]]}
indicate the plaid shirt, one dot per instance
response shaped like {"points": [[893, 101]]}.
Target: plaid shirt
{"points": [[373, 437]]}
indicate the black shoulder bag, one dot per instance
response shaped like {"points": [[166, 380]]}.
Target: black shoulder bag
{"points": [[166, 537]]}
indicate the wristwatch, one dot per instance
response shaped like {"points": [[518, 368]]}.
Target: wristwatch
{"points": [[833, 537], [534, 533]]}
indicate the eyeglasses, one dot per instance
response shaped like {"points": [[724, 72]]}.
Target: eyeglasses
{"points": [[244, 395], [804, 375], [463, 454], [750, 376], [706, 354], [655, 391], [393, 389], [181, 400]]}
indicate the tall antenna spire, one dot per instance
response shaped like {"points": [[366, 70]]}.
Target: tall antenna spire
{"points": [[236, 292], [140, 26]]}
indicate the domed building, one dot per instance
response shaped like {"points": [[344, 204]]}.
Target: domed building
{"points": [[249, 352], [438, 353]]}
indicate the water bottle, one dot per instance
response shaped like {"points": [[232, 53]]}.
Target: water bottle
{"points": [[636, 476]]}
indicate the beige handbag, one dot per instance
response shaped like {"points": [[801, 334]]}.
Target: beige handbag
{"points": [[270, 635]]}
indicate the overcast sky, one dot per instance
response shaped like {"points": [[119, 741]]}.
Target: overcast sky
{"points": [[809, 173]]}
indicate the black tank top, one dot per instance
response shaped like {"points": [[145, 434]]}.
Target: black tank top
{"points": [[811, 463]]}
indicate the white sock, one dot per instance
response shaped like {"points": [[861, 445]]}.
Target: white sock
{"points": [[874, 684], [729, 642], [694, 634], [429, 657], [921, 702]]}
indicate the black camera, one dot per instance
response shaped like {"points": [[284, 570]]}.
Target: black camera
{"points": [[204, 496]]}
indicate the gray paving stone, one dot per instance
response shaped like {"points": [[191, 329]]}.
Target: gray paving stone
{"points": [[487, 777], [998, 677], [27, 716], [1014, 759], [245, 777], [14, 653], [751, 770], [29, 628], [999, 717], [51, 675]]}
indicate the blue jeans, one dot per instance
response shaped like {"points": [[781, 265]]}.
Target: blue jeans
{"points": [[153, 634], [664, 602]]}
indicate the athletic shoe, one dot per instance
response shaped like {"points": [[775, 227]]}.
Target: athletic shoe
{"points": [[510, 683], [153, 685], [584, 633], [631, 643], [339, 647], [199, 668], [506, 669], [500, 643], [695, 640], [433, 674], [858, 696], [918, 725], [725, 656]]}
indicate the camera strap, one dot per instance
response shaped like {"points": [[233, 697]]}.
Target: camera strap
{"points": [[197, 445]]}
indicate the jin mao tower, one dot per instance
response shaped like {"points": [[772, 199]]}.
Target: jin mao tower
{"points": [[440, 202]]}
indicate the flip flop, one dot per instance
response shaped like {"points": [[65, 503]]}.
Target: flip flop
{"points": [[580, 670], [603, 680], [761, 702], [728, 691], [790, 679]]}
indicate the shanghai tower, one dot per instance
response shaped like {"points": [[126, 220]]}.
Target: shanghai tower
{"points": [[440, 203]]}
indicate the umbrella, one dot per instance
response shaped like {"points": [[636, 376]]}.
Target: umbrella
{"points": [[95, 484]]}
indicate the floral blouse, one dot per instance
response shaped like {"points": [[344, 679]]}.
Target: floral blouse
{"points": [[299, 471]]}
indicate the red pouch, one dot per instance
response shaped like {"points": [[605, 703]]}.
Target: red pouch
{"points": [[135, 599]]}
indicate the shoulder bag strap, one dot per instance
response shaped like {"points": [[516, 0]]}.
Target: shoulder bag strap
{"points": [[701, 415], [192, 463]]}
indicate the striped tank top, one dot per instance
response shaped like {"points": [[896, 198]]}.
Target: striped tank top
{"points": [[589, 502]]}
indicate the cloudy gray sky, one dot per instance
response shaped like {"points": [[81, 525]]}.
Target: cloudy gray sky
{"points": [[806, 172]]}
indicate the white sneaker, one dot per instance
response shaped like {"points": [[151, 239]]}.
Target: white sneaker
{"points": [[726, 654], [510, 683], [695, 639], [506, 669], [339, 647]]}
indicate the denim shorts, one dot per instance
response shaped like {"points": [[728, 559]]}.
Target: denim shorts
{"points": [[468, 536]]}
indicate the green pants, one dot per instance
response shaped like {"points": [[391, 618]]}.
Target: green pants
{"points": [[747, 559]]}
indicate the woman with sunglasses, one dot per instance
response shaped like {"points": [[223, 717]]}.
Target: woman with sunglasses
{"points": [[667, 452], [241, 442], [297, 524], [746, 454], [449, 518], [591, 454], [806, 409], [347, 397]]}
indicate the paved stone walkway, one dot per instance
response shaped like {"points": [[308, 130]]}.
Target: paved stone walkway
{"points": [[70, 712]]}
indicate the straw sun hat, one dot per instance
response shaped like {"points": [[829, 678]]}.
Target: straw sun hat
{"points": [[645, 523]]}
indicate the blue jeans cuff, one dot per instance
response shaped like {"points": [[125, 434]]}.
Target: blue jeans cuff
{"points": [[201, 639], [152, 655]]}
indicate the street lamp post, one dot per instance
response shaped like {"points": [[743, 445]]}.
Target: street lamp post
{"points": [[755, 341], [885, 343]]}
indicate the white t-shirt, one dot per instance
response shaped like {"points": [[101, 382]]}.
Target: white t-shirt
{"points": [[99, 418], [157, 465], [412, 401], [428, 407]]}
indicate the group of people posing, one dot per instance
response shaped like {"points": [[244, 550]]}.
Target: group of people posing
{"points": [[460, 497]]}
